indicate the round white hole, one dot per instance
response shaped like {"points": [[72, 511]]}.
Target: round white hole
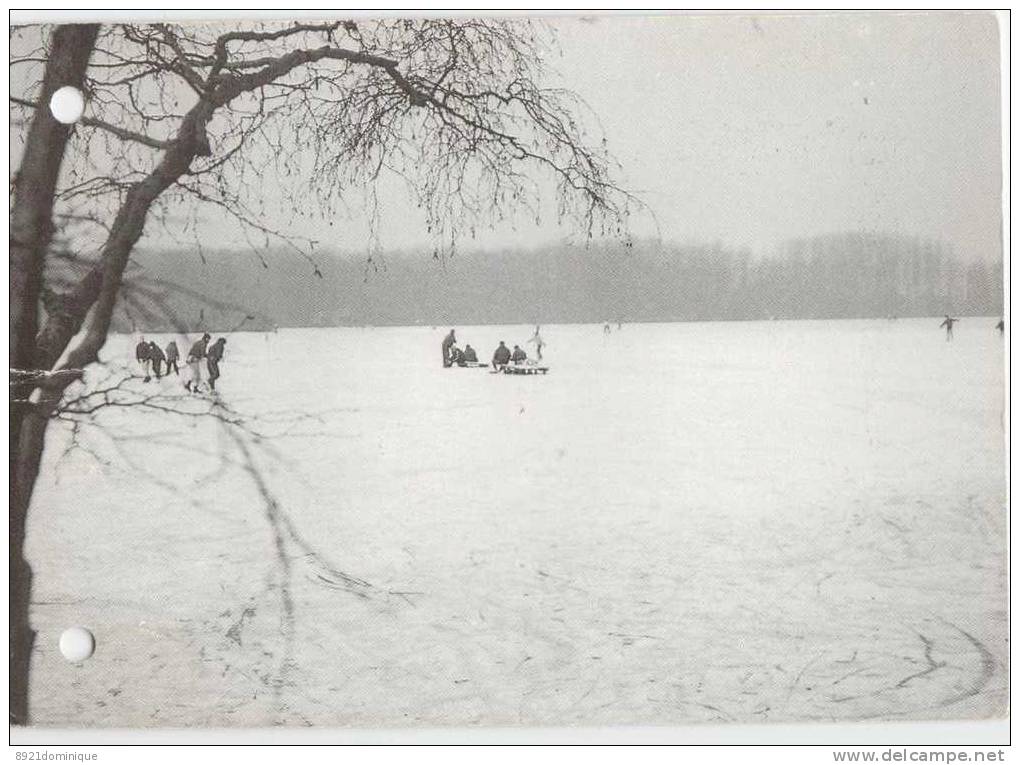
{"points": [[77, 644], [67, 105]]}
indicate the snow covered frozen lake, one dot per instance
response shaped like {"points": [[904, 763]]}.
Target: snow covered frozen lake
{"points": [[680, 523]]}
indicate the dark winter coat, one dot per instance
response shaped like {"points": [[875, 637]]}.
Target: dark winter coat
{"points": [[518, 355], [215, 353], [502, 355], [448, 342], [156, 353], [172, 354], [198, 350], [143, 352], [469, 354]]}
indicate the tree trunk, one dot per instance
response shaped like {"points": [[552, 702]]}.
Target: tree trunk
{"points": [[34, 349], [96, 291], [22, 636], [31, 231]]}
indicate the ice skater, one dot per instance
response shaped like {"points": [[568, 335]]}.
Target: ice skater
{"points": [[143, 355], [448, 342], [948, 324], [539, 343], [1001, 326], [606, 329], [172, 354], [194, 362], [213, 357]]}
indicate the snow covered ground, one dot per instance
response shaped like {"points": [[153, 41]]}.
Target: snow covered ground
{"points": [[681, 523]]}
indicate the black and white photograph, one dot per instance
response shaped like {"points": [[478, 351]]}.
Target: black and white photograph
{"points": [[507, 371]]}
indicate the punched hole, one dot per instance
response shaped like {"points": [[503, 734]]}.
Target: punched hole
{"points": [[67, 105], [77, 644]]}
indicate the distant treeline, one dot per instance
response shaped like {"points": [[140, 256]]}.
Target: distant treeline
{"points": [[840, 276]]}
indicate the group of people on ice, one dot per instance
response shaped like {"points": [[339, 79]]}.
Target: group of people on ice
{"points": [[154, 359], [454, 356]]}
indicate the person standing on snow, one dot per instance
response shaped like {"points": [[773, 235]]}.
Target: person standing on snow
{"points": [[538, 341], [213, 358], [143, 355], [172, 354], [157, 356], [195, 356], [448, 343]]}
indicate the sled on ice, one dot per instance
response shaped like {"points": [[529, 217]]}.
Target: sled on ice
{"points": [[527, 367]]}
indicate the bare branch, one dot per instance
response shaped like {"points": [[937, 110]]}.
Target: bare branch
{"points": [[126, 135]]}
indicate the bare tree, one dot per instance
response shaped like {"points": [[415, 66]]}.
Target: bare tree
{"points": [[31, 232], [180, 117]]}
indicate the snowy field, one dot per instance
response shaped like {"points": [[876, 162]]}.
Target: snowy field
{"points": [[680, 523]]}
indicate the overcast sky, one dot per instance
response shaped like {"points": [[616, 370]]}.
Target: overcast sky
{"points": [[754, 129]]}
